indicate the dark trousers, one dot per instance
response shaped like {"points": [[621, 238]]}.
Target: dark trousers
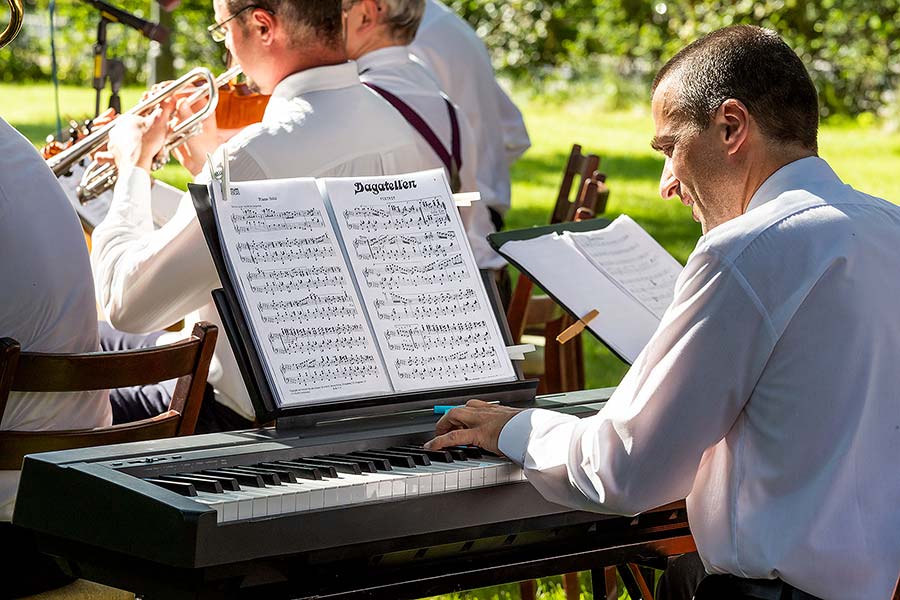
{"points": [[145, 401]]}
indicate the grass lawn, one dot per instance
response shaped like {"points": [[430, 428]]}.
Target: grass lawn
{"points": [[865, 156]]}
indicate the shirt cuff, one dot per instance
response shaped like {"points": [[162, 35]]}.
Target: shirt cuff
{"points": [[514, 436]]}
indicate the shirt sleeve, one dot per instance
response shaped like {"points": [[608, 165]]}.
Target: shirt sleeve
{"points": [[682, 396], [146, 278]]}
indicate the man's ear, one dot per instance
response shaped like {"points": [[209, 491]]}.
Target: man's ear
{"points": [[733, 123], [264, 24], [369, 16]]}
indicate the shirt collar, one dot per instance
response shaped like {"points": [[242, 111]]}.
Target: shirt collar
{"points": [[792, 176], [330, 77], [389, 55]]}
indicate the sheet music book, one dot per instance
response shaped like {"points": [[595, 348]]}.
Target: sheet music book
{"points": [[620, 270], [359, 286]]}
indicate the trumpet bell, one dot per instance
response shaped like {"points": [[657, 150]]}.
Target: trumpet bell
{"points": [[16, 16]]}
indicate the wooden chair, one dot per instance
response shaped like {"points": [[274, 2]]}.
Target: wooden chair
{"points": [[584, 166], [187, 360]]}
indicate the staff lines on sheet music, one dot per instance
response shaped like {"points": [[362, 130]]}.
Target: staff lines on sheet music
{"points": [[286, 343], [255, 219], [330, 368], [404, 214], [298, 278], [462, 365], [312, 307], [285, 250], [447, 270], [405, 247], [412, 338], [427, 305]]}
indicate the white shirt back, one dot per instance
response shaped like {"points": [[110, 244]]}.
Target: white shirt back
{"points": [[768, 396], [458, 58], [46, 292], [320, 122]]}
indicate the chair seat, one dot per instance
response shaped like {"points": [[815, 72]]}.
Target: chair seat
{"points": [[82, 589]]}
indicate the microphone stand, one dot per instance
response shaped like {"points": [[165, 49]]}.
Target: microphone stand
{"points": [[99, 80]]}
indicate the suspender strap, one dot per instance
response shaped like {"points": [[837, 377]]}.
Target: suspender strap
{"points": [[453, 162]]}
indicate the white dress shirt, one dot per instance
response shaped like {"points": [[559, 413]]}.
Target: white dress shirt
{"points": [[320, 122], [46, 293], [452, 50], [768, 396], [393, 69]]}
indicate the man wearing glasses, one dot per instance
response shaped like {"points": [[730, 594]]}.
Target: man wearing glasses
{"points": [[319, 122]]}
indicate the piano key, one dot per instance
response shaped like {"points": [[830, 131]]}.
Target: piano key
{"points": [[179, 487], [434, 455], [418, 458], [341, 466], [229, 483], [300, 470], [396, 460], [242, 477], [457, 453], [200, 483], [366, 465], [380, 464], [471, 451], [284, 474], [325, 470], [268, 477]]}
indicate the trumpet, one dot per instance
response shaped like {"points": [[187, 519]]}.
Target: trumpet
{"points": [[16, 15], [97, 177]]}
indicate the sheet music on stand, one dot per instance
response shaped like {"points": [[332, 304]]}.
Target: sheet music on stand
{"points": [[616, 268], [354, 288]]}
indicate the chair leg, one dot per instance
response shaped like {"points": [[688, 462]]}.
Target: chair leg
{"points": [[634, 581], [571, 586], [528, 589], [603, 583]]}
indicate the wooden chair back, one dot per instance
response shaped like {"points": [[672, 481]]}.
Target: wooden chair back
{"points": [[563, 364], [188, 360]]}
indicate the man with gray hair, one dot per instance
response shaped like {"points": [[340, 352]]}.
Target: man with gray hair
{"points": [[768, 395], [320, 122], [377, 36]]}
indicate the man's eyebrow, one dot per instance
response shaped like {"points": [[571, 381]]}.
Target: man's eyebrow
{"points": [[659, 143]]}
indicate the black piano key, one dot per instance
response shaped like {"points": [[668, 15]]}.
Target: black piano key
{"points": [[457, 453], [397, 460], [242, 477], [204, 485], [268, 477], [325, 470], [302, 471], [418, 458], [179, 487], [375, 464], [471, 451], [229, 483], [341, 466], [284, 474], [436, 455]]}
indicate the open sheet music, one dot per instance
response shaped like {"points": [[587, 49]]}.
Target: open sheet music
{"points": [[358, 287], [619, 270]]}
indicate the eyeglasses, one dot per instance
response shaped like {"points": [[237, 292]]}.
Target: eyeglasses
{"points": [[217, 30]]}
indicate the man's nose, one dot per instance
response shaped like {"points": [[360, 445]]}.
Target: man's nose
{"points": [[668, 183]]}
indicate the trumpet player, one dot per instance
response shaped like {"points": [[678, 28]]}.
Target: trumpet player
{"points": [[320, 121]]}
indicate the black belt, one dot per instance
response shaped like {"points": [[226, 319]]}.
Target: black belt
{"points": [[720, 587]]}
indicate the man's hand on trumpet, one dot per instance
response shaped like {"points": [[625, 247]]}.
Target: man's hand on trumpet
{"points": [[192, 153], [136, 140]]}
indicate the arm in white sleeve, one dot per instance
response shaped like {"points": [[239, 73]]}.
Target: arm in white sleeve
{"points": [[682, 396], [147, 279], [515, 135]]}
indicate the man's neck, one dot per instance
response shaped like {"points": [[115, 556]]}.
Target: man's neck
{"points": [[767, 164], [376, 43], [310, 57]]}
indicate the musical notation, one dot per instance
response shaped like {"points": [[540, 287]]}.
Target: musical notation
{"points": [[253, 219], [462, 365], [314, 307], [289, 280], [285, 250], [438, 272], [420, 213], [415, 338], [330, 369], [404, 247], [304, 341], [428, 305]]}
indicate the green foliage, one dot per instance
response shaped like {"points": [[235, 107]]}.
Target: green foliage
{"points": [[851, 48]]}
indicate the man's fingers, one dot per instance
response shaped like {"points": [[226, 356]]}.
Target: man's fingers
{"points": [[457, 437], [456, 418], [476, 403]]}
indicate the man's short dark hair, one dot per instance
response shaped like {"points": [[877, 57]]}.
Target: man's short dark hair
{"points": [[321, 18], [753, 65]]}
